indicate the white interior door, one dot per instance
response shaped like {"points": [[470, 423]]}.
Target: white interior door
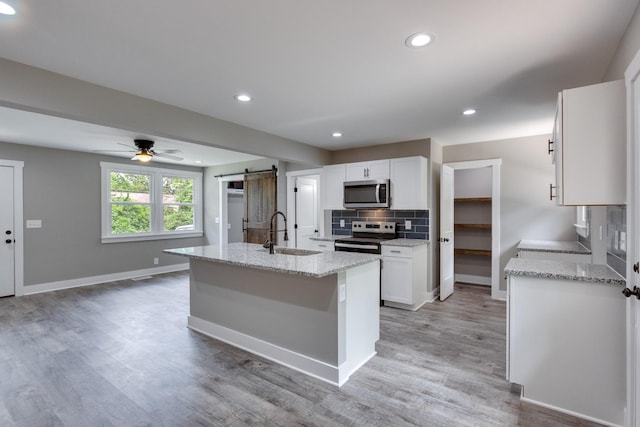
{"points": [[306, 211], [7, 246], [446, 232], [632, 78]]}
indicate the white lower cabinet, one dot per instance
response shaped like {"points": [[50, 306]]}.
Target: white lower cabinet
{"points": [[565, 345], [404, 276]]}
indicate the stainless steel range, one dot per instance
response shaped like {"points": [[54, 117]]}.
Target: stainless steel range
{"points": [[366, 237]]}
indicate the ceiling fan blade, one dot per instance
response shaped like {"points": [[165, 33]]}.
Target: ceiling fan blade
{"points": [[127, 145], [169, 151], [167, 156], [113, 151]]}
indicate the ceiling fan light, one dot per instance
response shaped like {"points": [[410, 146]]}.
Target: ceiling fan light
{"points": [[143, 156]]}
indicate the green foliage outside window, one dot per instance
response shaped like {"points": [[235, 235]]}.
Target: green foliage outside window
{"points": [[131, 203]]}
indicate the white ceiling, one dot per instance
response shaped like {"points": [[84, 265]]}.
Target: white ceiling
{"points": [[314, 67]]}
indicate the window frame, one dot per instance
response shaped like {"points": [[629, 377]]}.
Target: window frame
{"points": [[157, 206]]}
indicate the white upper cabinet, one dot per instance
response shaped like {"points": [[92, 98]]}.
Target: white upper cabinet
{"points": [[409, 183], [361, 171], [332, 182], [589, 147]]}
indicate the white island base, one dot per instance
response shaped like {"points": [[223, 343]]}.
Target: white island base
{"points": [[325, 327]]}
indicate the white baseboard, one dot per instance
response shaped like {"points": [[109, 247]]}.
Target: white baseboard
{"points": [[336, 375], [474, 280], [566, 411], [105, 278], [433, 295], [499, 295]]}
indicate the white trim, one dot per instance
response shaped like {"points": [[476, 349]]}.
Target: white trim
{"points": [[496, 293], [156, 205], [18, 223], [223, 215], [291, 206], [336, 375], [473, 279], [433, 295], [105, 278], [565, 411], [632, 412]]}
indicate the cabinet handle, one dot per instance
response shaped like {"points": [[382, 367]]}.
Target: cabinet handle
{"points": [[551, 195], [395, 252], [549, 149]]}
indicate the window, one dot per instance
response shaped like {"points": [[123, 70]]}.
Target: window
{"points": [[144, 203]]}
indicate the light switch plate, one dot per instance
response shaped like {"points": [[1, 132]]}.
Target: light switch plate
{"points": [[622, 245], [34, 223], [343, 292], [407, 225], [342, 223]]}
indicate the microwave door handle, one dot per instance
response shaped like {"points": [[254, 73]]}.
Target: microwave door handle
{"points": [[377, 193]]}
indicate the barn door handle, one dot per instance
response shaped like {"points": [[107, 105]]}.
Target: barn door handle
{"points": [[443, 240], [549, 149]]}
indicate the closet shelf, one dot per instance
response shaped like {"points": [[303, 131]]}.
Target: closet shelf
{"points": [[478, 252], [481, 226], [472, 199]]}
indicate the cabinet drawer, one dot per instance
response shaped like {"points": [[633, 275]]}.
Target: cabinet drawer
{"points": [[399, 251]]}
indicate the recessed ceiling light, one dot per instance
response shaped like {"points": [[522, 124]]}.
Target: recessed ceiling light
{"points": [[198, 161], [336, 134], [418, 40], [469, 112], [243, 97], [5, 9]]}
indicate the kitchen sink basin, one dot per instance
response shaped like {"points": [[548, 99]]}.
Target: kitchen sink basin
{"points": [[292, 251]]}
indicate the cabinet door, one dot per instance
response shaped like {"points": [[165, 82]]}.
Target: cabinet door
{"points": [[397, 280], [409, 183], [378, 169], [592, 153], [332, 187], [557, 153], [357, 171]]}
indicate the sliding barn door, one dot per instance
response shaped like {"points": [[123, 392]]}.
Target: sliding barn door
{"points": [[259, 204]]}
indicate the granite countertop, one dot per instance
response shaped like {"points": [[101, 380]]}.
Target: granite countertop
{"points": [[566, 247], [563, 270], [253, 255], [405, 242]]}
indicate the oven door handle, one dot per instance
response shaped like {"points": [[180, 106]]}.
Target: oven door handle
{"points": [[351, 245]]}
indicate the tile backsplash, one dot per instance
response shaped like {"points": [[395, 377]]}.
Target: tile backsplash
{"points": [[419, 221], [617, 238]]}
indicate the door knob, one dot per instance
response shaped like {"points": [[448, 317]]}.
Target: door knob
{"points": [[636, 267], [7, 232], [628, 292], [444, 240], [8, 241]]}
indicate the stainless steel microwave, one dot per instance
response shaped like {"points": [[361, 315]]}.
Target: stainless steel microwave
{"points": [[372, 194]]}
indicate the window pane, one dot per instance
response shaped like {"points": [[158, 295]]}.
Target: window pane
{"points": [[177, 190], [127, 219], [178, 218], [130, 187]]}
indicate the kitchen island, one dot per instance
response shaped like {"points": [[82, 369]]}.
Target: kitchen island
{"points": [[316, 312]]}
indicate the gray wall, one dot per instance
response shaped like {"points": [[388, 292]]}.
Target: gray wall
{"points": [[525, 209], [62, 188], [627, 49]]}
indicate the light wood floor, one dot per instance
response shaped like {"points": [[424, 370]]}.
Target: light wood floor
{"points": [[120, 354]]}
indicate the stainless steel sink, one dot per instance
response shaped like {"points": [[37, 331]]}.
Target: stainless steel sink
{"points": [[292, 251]]}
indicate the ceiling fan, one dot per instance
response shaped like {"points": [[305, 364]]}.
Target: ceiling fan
{"points": [[144, 151]]}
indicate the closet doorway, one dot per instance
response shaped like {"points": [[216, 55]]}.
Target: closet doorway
{"points": [[470, 225]]}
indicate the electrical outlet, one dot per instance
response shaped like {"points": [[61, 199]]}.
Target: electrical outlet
{"points": [[622, 245], [342, 223], [407, 225], [156, 261], [343, 293]]}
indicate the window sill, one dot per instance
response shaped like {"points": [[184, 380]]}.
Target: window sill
{"points": [[145, 237]]}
